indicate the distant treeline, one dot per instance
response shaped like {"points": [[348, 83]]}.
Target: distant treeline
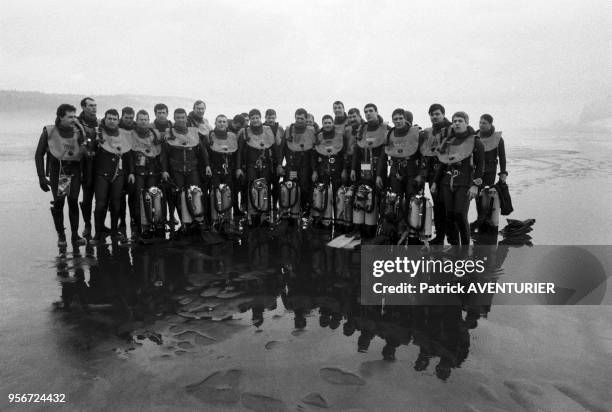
{"points": [[20, 101]]}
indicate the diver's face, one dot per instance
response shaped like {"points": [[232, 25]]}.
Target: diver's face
{"points": [[436, 117], [484, 125], [459, 125]]}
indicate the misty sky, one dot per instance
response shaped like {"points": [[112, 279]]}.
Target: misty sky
{"points": [[525, 61]]}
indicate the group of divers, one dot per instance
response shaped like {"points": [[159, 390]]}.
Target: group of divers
{"points": [[360, 178]]}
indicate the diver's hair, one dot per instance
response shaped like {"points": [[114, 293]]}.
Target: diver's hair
{"points": [[487, 117], [220, 116], [398, 111], [113, 112], [127, 110], [180, 110], [436, 106], [338, 102], [270, 112], [370, 105], [160, 106], [254, 112], [142, 113], [327, 117], [64, 108], [198, 102], [301, 112], [354, 110], [84, 102]]}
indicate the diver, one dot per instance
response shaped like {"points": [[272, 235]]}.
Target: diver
{"points": [[328, 171], [260, 155], [224, 160], [296, 150], [459, 176], [182, 158], [494, 154], [63, 143], [369, 147], [147, 199], [112, 160]]}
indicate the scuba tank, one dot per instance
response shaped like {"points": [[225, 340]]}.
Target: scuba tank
{"points": [[420, 215], [344, 205], [320, 197], [258, 194], [364, 198], [222, 198], [194, 202], [153, 210], [391, 204], [489, 199], [288, 194]]}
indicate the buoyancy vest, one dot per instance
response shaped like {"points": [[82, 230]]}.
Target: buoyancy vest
{"points": [[372, 139], [491, 142], [330, 147], [405, 146], [450, 153], [120, 144], [301, 142], [430, 144], [62, 148], [189, 139], [149, 146], [262, 141], [227, 145]]}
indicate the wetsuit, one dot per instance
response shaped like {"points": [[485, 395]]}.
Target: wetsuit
{"points": [[64, 149], [260, 155], [297, 151], [461, 166], [328, 162], [184, 157], [90, 125], [112, 161], [402, 153], [494, 153], [406, 177], [428, 150], [224, 158], [146, 160], [369, 147]]}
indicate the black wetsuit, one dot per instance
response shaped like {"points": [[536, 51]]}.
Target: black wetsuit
{"points": [[109, 177], [454, 181], [409, 169], [279, 134], [147, 172], [299, 161], [72, 168]]}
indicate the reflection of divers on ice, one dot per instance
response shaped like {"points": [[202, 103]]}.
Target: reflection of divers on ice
{"points": [[157, 292]]}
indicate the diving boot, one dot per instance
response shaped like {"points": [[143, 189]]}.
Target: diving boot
{"points": [[77, 240], [96, 239], [61, 239]]}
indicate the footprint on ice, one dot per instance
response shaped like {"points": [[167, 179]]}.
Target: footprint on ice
{"points": [[185, 345], [315, 399], [339, 377], [262, 403], [524, 386], [272, 344], [220, 387], [487, 393]]}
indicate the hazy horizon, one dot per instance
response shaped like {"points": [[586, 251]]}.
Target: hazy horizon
{"points": [[531, 63]]}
